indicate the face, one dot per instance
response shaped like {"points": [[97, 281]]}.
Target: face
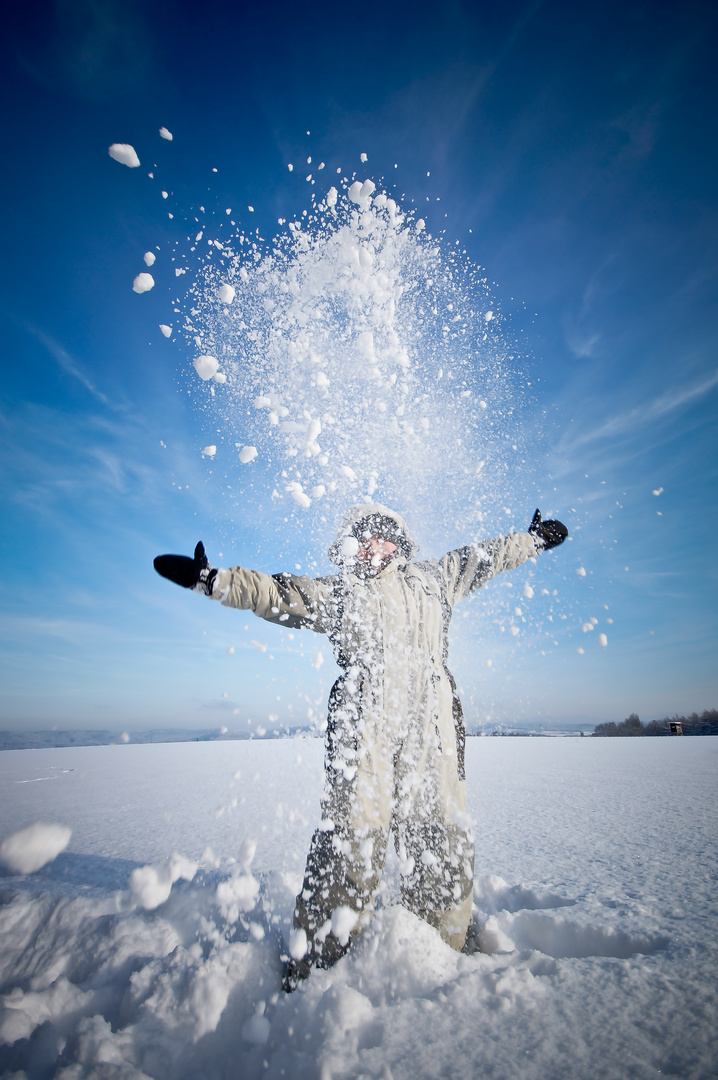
{"points": [[374, 553]]}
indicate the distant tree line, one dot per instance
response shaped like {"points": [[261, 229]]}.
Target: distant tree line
{"points": [[705, 724]]}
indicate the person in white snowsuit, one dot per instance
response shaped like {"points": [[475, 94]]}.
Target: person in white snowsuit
{"points": [[394, 756]]}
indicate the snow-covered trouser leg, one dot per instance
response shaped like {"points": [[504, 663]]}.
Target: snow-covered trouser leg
{"points": [[347, 853], [432, 830], [437, 879], [337, 893]]}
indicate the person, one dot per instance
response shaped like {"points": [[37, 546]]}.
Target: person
{"points": [[394, 745]]}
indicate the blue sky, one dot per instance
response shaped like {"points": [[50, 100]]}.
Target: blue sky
{"points": [[571, 152]]}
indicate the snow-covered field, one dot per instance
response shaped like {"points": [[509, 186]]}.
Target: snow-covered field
{"points": [[595, 900]]}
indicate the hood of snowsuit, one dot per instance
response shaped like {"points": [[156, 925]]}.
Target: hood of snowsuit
{"points": [[366, 519]]}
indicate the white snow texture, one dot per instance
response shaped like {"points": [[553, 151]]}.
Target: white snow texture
{"points": [[594, 915], [31, 848], [356, 348], [125, 154], [143, 283]]}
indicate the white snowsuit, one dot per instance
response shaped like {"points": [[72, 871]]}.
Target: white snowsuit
{"points": [[395, 735]]}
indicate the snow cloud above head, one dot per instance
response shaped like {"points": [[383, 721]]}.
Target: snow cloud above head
{"points": [[359, 358]]}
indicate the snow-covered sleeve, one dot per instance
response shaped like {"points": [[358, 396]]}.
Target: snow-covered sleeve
{"points": [[292, 601], [469, 568]]}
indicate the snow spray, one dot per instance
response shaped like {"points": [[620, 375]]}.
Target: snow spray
{"points": [[355, 357]]}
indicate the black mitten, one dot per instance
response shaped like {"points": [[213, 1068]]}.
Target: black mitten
{"points": [[195, 573], [548, 534]]}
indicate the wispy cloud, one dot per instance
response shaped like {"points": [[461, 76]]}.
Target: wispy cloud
{"points": [[67, 363], [628, 422]]}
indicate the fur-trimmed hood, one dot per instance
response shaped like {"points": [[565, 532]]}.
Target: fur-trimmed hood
{"points": [[352, 517]]}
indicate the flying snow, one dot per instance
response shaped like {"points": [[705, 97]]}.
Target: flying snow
{"points": [[151, 886], [143, 283], [226, 293], [31, 848], [125, 154], [166, 134], [150, 258], [359, 361], [206, 366]]}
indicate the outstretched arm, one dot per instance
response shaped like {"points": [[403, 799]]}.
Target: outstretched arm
{"points": [[468, 568], [292, 601], [286, 599]]}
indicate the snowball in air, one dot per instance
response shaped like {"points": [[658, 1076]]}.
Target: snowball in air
{"points": [[166, 134], [205, 366], [149, 257], [299, 496], [332, 197], [124, 153], [166, 330], [247, 851], [226, 293], [361, 193], [247, 454], [29, 849], [349, 548], [581, 572], [143, 283], [343, 922], [297, 944], [209, 451], [362, 158], [602, 640], [219, 377]]}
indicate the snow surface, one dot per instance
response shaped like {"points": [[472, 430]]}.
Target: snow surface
{"points": [[151, 946]]}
